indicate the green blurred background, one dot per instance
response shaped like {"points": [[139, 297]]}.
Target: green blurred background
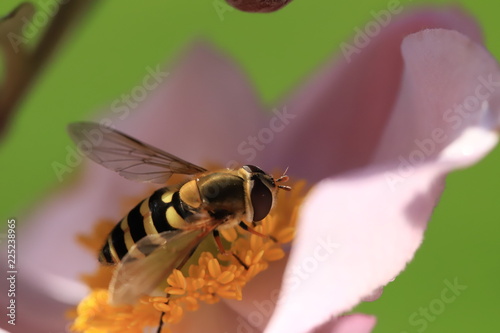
{"points": [[108, 53]]}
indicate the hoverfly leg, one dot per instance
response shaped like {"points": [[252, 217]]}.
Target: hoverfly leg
{"points": [[222, 250], [255, 232], [160, 325], [240, 261]]}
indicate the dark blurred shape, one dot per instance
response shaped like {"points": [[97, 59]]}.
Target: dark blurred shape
{"points": [[258, 6], [28, 38], [14, 56]]}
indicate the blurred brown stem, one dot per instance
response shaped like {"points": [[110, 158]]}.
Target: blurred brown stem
{"points": [[17, 84]]}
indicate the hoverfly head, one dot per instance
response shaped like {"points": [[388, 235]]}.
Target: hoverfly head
{"points": [[262, 190]]}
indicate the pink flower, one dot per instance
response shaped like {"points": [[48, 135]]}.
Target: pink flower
{"points": [[375, 136]]}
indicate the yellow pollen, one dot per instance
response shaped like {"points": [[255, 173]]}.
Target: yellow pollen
{"points": [[174, 291], [207, 279], [162, 307], [158, 299], [176, 279], [214, 268], [274, 254], [225, 277]]}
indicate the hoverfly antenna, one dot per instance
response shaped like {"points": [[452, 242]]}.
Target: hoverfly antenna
{"points": [[284, 187], [283, 178]]}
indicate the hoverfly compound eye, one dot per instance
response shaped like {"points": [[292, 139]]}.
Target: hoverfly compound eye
{"points": [[262, 188], [262, 199]]}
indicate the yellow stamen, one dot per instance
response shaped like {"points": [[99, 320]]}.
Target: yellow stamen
{"points": [[214, 268], [176, 279], [225, 277]]}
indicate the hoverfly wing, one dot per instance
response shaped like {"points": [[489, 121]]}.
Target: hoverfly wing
{"points": [[150, 261], [129, 157]]}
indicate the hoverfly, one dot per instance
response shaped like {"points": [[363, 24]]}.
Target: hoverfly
{"points": [[162, 231]]}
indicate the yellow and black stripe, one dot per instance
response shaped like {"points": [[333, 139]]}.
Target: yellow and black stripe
{"points": [[162, 211]]}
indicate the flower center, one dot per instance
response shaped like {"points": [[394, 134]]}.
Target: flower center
{"points": [[207, 277]]}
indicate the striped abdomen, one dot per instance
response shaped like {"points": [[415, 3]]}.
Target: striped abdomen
{"points": [[162, 211]]}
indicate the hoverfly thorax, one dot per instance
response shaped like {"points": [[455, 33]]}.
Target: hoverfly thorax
{"points": [[230, 196], [221, 194]]}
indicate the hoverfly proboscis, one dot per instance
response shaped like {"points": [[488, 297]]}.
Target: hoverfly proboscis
{"points": [[162, 231]]}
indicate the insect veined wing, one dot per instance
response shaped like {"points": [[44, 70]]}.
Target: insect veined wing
{"points": [[129, 157], [150, 261]]}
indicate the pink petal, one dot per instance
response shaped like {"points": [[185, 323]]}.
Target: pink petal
{"points": [[51, 260], [393, 39], [46, 314], [213, 318], [260, 296], [446, 78], [357, 231], [375, 295], [342, 112], [356, 323]]}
